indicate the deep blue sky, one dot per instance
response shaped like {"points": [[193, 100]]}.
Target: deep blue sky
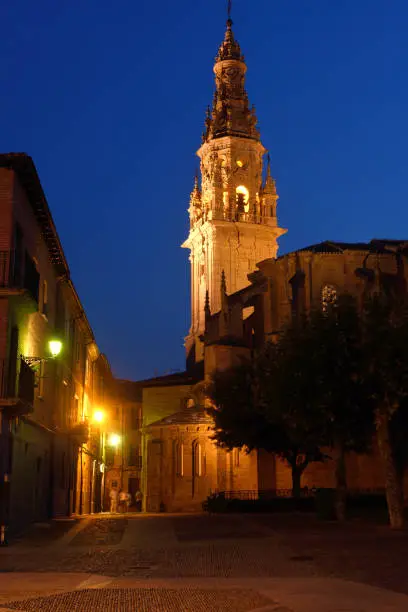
{"points": [[109, 99]]}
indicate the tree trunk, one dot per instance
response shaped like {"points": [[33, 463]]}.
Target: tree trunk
{"points": [[296, 476], [392, 484], [341, 482]]}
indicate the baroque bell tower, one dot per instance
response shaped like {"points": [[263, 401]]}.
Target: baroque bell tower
{"points": [[233, 222]]}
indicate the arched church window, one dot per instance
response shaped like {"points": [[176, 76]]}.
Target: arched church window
{"points": [[179, 458], [329, 296], [197, 458]]}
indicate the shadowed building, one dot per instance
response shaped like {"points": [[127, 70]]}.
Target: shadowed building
{"points": [[50, 453]]}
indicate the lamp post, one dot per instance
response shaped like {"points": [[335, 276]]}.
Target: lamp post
{"points": [[98, 418], [115, 440]]}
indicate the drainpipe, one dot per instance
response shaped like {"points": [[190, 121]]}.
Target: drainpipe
{"points": [[81, 487]]}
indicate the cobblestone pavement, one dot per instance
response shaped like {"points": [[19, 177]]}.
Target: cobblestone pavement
{"points": [[226, 560], [148, 600]]}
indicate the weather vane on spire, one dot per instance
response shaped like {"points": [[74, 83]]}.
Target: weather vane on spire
{"points": [[229, 9]]}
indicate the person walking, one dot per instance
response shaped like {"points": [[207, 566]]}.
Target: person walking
{"points": [[122, 500], [113, 496], [138, 499]]}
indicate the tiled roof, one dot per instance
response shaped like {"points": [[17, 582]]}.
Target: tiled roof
{"points": [[179, 378], [24, 167], [374, 246], [188, 416]]}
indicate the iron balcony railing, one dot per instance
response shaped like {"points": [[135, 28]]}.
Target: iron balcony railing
{"points": [[18, 271], [17, 381], [273, 493]]}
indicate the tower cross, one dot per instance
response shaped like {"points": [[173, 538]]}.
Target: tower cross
{"points": [[229, 8]]}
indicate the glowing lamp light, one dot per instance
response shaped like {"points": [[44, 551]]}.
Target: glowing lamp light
{"points": [[244, 191], [55, 347], [114, 440], [98, 416]]}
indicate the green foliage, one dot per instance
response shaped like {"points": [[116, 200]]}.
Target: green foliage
{"points": [[262, 405], [238, 421], [346, 418], [326, 381], [385, 329], [399, 437]]}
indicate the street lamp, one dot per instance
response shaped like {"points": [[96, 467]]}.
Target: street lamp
{"points": [[114, 440], [97, 419], [98, 416], [55, 347]]}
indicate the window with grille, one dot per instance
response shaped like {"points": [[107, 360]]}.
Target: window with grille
{"points": [[134, 457]]}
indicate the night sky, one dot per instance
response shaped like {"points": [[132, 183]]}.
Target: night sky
{"points": [[109, 99]]}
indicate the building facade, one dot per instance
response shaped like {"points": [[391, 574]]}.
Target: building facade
{"points": [[123, 461], [242, 294], [285, 288], [50, 457]]}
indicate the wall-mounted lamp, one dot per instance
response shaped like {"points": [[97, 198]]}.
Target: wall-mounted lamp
{"points": [[54, 347]]}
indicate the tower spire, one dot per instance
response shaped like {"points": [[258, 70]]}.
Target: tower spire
{"points": [[230, 114], [233, 223]]}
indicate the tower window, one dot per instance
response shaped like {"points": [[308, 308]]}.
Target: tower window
{"points": [[244, 191], [242, 196]]}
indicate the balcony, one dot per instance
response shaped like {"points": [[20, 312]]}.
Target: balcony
{"points": [[16, 388], [19, 273]]}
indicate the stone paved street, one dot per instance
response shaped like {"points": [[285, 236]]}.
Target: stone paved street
{"points": [[197, 562]]}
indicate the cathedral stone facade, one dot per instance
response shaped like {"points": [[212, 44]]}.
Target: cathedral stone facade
{"points": [[241, 295]]}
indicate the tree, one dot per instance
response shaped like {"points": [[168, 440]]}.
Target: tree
{"points": [[385, 346], [300, 394], [285, 396], [346, 419], [262, 405], [398, 436]]}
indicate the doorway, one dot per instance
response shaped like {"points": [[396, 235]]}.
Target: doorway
{"points": [[134, 487]]}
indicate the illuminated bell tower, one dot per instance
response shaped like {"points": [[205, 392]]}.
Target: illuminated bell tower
{"points": [[233, 223]]}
